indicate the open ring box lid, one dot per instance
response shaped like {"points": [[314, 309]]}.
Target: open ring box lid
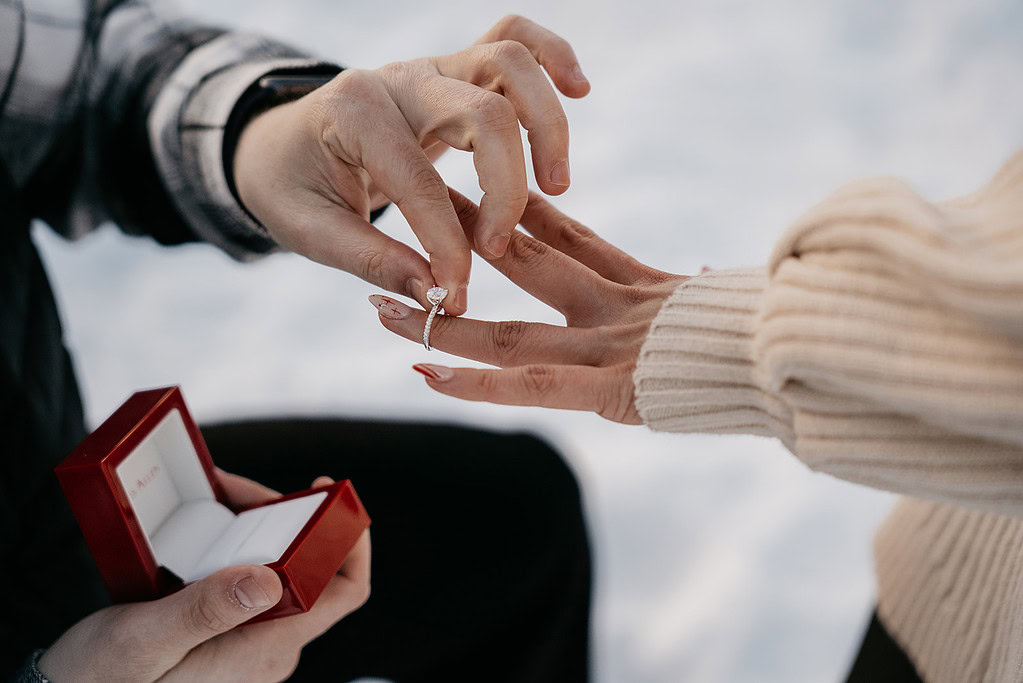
{"points": [[144, 491]]}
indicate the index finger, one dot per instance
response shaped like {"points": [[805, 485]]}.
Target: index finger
{"points": [[480, 121], [544, 272], [404, 174]]}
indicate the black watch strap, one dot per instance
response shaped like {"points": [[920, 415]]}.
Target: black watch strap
{"points": [[267, 92]]}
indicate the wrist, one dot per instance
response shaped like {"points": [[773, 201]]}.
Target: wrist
{"points": [[696, 371], [273, 154], [269, 93]]}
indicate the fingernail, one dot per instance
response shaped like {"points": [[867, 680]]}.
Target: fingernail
{"points": [[439, 373], [389, 308], [250, 594], [560, 174], [577, 74], [462, 297], [497, 245], [414, 288]]}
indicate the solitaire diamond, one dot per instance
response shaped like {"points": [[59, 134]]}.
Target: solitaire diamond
{"points": [[435, 295]]}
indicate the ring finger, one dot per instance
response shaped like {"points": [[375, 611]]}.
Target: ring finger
{"points": [[504, 344]]}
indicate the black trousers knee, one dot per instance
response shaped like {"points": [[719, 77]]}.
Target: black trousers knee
{"points": [[481, 561]]}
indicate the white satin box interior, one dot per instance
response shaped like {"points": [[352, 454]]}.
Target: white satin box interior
{"points": [[188, 531]]}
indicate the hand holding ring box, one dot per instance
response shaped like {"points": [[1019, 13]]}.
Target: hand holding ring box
{"points": [[144, 491]]}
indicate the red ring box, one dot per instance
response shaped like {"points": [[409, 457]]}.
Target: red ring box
{"points": [[144, 491]]}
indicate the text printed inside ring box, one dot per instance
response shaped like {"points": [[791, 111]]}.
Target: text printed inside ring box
{"points": [[187, 530]]}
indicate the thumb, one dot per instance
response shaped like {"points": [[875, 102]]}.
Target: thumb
{"points": [[212, 606]]}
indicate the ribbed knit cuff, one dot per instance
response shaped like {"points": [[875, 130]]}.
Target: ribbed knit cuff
{"points": [[696, 371]]}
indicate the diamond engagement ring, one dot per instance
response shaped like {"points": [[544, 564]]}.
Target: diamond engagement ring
{"points": [[435, 295]]}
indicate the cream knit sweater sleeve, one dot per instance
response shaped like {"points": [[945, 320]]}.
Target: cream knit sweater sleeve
{"points": [[882, 344]]}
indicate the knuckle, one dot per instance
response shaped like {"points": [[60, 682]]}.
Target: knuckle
{"points": [[357, 84], [426, 183], [493, 111], [656, 278], [398, 70], [511, 201], [465, 212], [509, 23], [538, 380], [203, 618], [371, 266], [575, 235], [528, 251], [631, 297], [507, 336], [555, 117], [511, 52], [489, 383], [402, 76]]}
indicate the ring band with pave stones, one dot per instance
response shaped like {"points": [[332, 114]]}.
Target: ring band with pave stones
{"points": [[435, 295]]}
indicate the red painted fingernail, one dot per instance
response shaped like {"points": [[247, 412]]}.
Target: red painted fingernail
{"points": [[389, 308], [439, 373]]}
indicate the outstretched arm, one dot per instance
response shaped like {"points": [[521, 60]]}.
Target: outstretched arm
{"points": [[883, 343], [174, 136], [145, 146]]}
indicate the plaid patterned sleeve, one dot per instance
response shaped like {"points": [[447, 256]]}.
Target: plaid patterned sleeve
{"points": [[122, 110], [182, 113], [187, 127]]}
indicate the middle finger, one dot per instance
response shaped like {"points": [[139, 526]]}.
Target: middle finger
{"points": [[482, 122], [509, 68], [559, 281]]}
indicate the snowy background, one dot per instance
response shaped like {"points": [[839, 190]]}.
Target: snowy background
{"points": [[711, 124]]}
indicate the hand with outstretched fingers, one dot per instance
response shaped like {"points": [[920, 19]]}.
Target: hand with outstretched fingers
{"points": [[607, 297], [312, 170]]}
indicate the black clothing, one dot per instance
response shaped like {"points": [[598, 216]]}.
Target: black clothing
{"points": [[76, 148], [481, 565], [881, 659]]}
